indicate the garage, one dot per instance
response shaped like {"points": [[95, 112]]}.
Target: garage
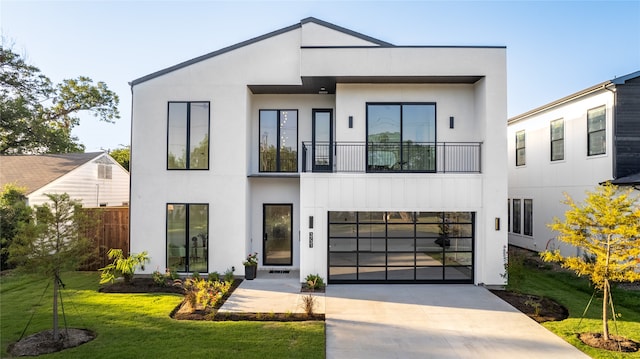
{"points": [[400, 247]]}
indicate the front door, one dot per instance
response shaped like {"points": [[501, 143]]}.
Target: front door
{"points": [[277, 234], [322, 141]]}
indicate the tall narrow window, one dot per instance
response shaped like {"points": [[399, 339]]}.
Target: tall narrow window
{"points": [[520, 149], [188, 137], [508, 215], [557, 140], [528, 217], [401, 137], [278, 141], [188, 237], [516, 215], [596, 131]]}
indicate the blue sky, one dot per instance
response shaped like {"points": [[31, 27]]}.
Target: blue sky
{"points": [[553, 48]]}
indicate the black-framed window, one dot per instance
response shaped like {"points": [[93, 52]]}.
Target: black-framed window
{"points": [[188, 237], [401, 137], [278, 141], [188, 136], [509, 215], [556, 129], [528, 218], [520, 149], [596, 131], [517, 208]]}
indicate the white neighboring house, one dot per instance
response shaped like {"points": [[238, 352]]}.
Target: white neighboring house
{"points": [[570, 146], [325, 151], [94, 178]]}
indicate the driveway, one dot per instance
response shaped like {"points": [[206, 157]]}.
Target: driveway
{"points": [[432, 321]]}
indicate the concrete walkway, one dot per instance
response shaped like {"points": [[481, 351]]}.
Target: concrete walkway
{"points": [[407, 321]]}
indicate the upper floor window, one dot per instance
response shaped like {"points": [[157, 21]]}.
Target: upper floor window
{"points": [[401, 137], [520, 148], [278, 141], [188, 136], [596, 131], [557, 140]]}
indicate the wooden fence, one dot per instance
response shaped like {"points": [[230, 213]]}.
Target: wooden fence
{"points": [[111, 230]]}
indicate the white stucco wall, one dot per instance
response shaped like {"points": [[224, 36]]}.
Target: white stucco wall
{"points": [[545, 181], [83, 184]]}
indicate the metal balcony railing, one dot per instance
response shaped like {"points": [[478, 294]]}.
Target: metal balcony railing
{"points": [[419, 157]]}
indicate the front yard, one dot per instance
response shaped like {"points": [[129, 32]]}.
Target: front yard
{"points": [[139, 326]]}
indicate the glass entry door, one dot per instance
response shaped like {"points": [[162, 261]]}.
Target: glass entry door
{"points": [[277, 234], [322, 141]]}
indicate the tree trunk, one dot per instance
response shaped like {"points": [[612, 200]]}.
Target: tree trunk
{"points": [[605, 317], [56, 333]]}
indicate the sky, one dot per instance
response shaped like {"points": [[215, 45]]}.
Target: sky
{"points": [[554, 48]]}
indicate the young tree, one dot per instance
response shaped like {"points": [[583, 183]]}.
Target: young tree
{"points": [[607, 227], [51, 242], [37, 116], [13, 211]]}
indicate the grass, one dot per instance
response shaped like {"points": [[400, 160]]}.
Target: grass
{"points": [[574, 293], [139, 326]]}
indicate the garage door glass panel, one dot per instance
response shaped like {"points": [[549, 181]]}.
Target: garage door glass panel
{"points": [[429, 273], [343, 230], [406, 273], [343, 259], [372, 244], [372, 273], [342, 244], [371, 217], [457, 273], [427, 245], [401, 259], [372, 259], [400, 230], [343, 273], [459, 245], [372, 230], [336, 217], [400, 244]]}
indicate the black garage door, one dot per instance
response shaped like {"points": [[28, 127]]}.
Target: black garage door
{"points": [[401, 247]]}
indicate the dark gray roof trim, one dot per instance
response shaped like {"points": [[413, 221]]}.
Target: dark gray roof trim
{"points": [[630, 180], [344, 30], [252, 41], [599, 87]]}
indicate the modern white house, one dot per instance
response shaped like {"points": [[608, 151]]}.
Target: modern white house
{"points": [[570, 146], [325, 151], [95, 178]]}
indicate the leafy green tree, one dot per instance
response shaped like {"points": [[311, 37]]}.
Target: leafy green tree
{"points": [[37, 116], [13, 211], [52, 241], [607, 227], [122, 155]]}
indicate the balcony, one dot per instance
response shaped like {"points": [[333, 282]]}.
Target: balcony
{"points": [[406, 157]]}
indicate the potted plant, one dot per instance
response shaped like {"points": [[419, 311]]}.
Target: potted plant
{"points": [[250, 266]]}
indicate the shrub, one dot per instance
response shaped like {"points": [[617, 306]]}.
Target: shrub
{"points": [[121, 266], [314, 281], [308, 303]]}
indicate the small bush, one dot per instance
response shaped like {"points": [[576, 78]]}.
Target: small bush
{"points": [[228, 275], [308, 303], [213, 277], [314, 281]]}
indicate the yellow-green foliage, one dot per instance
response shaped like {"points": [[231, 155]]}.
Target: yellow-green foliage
{"points": [[607, 227]]}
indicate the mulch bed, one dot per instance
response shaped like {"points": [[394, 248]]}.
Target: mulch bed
{"points": [[140, 285], [549, 310], [43, 343], [615, 343]]}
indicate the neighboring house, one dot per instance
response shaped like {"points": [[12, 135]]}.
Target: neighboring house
{"points": [[94, 178], [570, 146], [327, 151]]}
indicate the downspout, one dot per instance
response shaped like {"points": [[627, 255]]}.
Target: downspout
{"points": [[614, 146]]}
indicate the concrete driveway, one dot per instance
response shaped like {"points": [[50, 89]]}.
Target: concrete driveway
{"points": [[432, 321]]}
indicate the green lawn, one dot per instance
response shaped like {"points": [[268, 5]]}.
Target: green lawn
{"points": [[574, 293], [139, 326]]}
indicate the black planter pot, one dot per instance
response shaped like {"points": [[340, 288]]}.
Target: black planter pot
{"points": [[250, 272]]}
